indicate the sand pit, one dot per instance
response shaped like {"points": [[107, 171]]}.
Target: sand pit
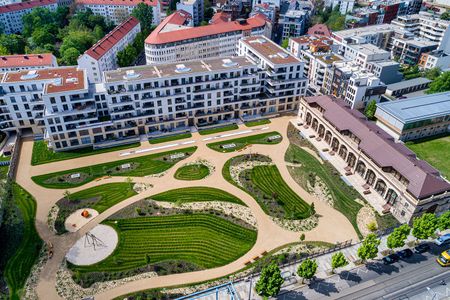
{"points": [[75, 221], [97, 245]]}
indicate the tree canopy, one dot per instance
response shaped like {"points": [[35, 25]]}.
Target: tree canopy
{"points": [[270, 281], [307, 269], [144, 13], [397, 238], [338, 260], [369, 247], [440, 84], [424, 226], [370, 110], [444, 221]]}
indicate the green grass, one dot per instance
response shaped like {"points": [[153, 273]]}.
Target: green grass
{"points": [[257, 122], [140, 166], [218, 129], [43, 155], [169, 138], [435, 151], [204, 240], [196, 194], [19, 265], [343, 195], [245, 141], [267, 181], [192, 172]]}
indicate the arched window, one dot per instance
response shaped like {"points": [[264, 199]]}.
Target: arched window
{"points": [[370, 177], [391, 196], [351, 159], [361, 169], [380, 187]]}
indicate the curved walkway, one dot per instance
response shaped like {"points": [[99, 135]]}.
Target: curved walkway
{"points": [[270, 235]]}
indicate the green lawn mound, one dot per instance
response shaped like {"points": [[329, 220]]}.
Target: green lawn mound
{"points": [[192, 172], [164, 139], [138, 166], [273, 194], [218, 129], [99, 198], [196, 194], [42, 155], [152, 243], [257, 122], [20, 264], [434, 150], [270, 138], [309, 167]]}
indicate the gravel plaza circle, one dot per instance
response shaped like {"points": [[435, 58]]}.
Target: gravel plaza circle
{"points": [[76, 220], [93, 247]]}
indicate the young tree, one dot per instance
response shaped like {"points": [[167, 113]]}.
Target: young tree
{"points": [[144, 13], [312, 209], [307, 269], [147, 259], [440, 84], [445, 15], [370, 110], [302, 237], [285, 43], [424, 226], [338, 260], [444, 221], [270, 281], [433, 73], [369, 247], [67, 195], [397, 238]]}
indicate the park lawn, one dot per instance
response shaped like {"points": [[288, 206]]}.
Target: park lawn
{"points": [[204, 240], [257, 122], [43, 155], [217, 129], [196, 194], [262, 138], [19, 265], [343, 195], [192, 172], [139, 166], [435, 151], [169, 138]]}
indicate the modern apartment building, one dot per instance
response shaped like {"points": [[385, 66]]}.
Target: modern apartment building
{"points": [[11, 14], [27, 62], [173, 41], [102, 56], [6, 2], [118, 11], [194, 7], [415, 118], [435, 59], [153, 100], [388, 173]]}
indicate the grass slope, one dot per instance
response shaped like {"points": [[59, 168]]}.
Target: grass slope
{"points": [[140, 166], [19, 265], [435, 151], [192, 172], [196, 194], [42, 155], [169, 138], [201, 239], [343, 195], [240, 143], [217, 129], [257, 122]]}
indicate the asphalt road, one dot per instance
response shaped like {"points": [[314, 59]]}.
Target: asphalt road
{"points": [[406, 279]]}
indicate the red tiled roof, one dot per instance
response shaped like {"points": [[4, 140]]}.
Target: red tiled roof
{"points": [[108, 41], [319, 30], [25, 5], [26, 60], [180, 17], [220, 17], [424, 180], [158, 37], [117, 2]]}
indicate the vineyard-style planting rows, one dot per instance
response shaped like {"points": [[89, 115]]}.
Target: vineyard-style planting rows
{"points": [[192, 172], [204, 240], [138, 166], [196, 194]]}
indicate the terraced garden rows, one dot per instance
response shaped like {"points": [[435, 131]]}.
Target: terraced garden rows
{"points": [[204, 240], [138, 166], [192, 172], [196, 194], [240, 143]]}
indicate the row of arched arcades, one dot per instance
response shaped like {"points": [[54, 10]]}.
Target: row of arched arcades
{"points": [[350, 158]]}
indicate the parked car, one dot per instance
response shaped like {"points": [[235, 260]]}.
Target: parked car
{"points": [[444, 258], [405, 253], [390, 259], [422, 248], [442, 239]]}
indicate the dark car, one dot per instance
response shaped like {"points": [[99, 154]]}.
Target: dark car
{"points": [[422, 248], [405, 253], [390, 259]]}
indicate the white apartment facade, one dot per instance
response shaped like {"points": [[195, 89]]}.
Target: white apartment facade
{"points": [[117, 11], [6, 2], [11, 14], [195, 8], [27, 62], [172, 41], [151, 100], [102, 56]]}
